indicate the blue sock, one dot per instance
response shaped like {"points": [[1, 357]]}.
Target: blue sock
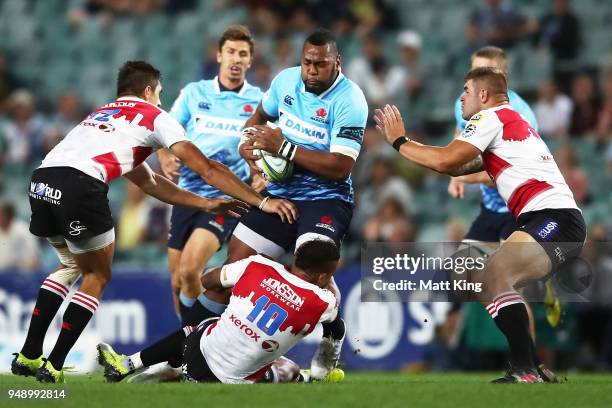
{"points": [[185, 303], [211, 305], [203, 309]]}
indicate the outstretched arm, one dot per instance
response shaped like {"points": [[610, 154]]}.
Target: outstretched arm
{"points": [[164, 190], [447, 159], [220, 177]]}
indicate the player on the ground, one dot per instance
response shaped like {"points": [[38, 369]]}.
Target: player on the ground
{"points": [[321, 117], [551, 228], [271, 309], [213, 113], [70, 208]]}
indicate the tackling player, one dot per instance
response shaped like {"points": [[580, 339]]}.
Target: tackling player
{"points": [[321, 117], [551, 228], [213, 113], [271, 309], [70, 208], [495, 222]]}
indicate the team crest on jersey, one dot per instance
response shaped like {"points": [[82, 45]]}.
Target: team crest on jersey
{"points": [[270, 345], [469, 130], [320, 116]]}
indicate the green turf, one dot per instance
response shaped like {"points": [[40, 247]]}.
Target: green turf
{"points": [[372, 390]]}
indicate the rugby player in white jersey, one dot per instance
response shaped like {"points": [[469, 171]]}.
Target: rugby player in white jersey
{"points": [[551, 227], [271, 309], [68, 197]]}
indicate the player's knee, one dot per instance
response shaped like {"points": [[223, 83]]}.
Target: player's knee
{"points": [[69, 272]]}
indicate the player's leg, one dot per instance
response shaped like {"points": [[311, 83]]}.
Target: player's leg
{"points": [[51, 295], [174, 257], [200, 247], [486, 232], [168, 349], [517, 261], [325, 219], [282, 370], [93, 257]]}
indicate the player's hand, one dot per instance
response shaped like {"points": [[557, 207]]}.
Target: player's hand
{"points": [[389, 122], [225, 206], [258, 183], [170, 164], [267, 138], [246, 151], [284, 208], [456, 188]]}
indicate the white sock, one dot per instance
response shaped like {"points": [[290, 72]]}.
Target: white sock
{"points": [[132, 362]]}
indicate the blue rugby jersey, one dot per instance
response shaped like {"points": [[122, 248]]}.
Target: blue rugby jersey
{"points": [[333, 121], [491, 199], [213, 120]]}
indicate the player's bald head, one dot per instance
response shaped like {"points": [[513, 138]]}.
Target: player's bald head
{"points": [[492, 79]]}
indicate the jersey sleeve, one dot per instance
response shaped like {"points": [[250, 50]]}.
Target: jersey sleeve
{"points": [[269, 101], [460, 122], [329, 315], [481, 129], [350, 117], [167, 131], [231, 273], [180, 108]]}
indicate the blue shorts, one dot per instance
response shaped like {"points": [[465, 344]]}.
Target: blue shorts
{"points": [[185, 220], [491, 226], [268, 235]]}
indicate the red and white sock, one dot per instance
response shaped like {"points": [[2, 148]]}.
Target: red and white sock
{"points": [[87, 301], [503, 300], [55, 287]]}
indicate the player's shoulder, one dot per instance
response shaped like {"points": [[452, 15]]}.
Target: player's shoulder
{"points": [[488, 116], [251, 91], [198, 87], [288, 77], [348, 93]]}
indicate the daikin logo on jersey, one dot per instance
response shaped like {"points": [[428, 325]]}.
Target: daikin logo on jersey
{"points": [[283, 292], [42, 191], [302, 130]]}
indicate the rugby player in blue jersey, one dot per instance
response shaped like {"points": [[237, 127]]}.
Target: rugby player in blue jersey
{"points": [[213, 113], [495, 222], [321, 117]]}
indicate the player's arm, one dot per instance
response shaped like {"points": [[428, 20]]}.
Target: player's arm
{"points": [[331, 165], [169, 163], [164, 190], [220, 177], [225, 276], [456, 159]]}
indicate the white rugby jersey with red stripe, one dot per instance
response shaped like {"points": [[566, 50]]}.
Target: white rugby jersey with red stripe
{"points": [[518, 161], [270, 310], [115, 138]]}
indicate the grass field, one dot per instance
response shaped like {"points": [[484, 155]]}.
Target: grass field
{"points": [[373, 390]]}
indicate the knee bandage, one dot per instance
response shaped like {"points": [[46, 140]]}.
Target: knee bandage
{"points": [[70, 272]]}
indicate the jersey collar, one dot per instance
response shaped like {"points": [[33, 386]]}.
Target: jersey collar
{"points": [[339, 78], [134, 98], [218, 90]]}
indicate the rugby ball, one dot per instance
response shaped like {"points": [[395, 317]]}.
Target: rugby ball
{"points": [[273, 167]]}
